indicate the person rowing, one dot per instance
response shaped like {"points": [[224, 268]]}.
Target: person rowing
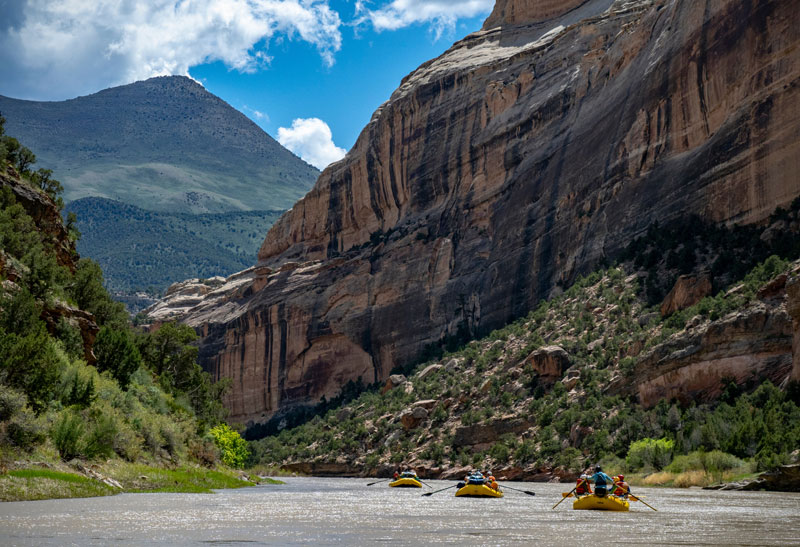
{"points": [[622, 488], [583, 486]]}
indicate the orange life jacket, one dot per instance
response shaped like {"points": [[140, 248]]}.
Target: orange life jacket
{"points": [[583, 487]]}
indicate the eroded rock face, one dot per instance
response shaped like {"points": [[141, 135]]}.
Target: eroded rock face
{"points": [[516, 12], [688, 291], [756, 342], [511, 163], [793, 307]]}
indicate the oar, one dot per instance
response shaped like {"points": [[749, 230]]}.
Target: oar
{"points": [[635, 498], [376, 482], [568, 495], [426, 484], [442, 490], [529, 492]]}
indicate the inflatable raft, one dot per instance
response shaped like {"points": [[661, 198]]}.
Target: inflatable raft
{"points": [[606, 503], [478, 491], [406, 482]]}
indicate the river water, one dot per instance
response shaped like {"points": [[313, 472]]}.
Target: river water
{"points": [[314, 511]]}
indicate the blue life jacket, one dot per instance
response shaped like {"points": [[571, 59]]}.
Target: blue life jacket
{"points": [[601, 480]]}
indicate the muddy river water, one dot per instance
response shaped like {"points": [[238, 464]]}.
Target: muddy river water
{"points": [[313, 511]]}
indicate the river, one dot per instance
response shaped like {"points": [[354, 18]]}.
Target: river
{"points": [[315, 511]]}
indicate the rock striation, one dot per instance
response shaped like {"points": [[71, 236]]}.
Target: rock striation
{"points": [[501, 170]]}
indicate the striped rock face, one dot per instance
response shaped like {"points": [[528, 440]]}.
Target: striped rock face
{"points": [[502, 169]]}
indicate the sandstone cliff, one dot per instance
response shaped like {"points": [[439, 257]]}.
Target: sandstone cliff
{"points": [[499, 171]]}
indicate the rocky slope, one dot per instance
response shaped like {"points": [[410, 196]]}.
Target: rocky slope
{"points": [[560, 389], [501, 170]]}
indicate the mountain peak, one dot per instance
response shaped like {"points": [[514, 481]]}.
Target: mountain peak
{"points": [[165, 143]]}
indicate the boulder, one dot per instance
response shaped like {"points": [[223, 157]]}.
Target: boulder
{"points": [[571, 378], [548, 362], [427, 404], [687, 291], [392, 382], [427, 371], [412, 417]]}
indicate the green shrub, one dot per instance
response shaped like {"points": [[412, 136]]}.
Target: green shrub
{"points": [[100, 438], [649, 454], [67, 435], [12, 401], [232, 447]]}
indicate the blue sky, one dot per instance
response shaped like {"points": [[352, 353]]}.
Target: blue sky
{"points": [[307, 71]]}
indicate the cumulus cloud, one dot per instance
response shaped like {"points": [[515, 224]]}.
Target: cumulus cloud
{"points": [[441, 14], [61, 49], [312, 140]]}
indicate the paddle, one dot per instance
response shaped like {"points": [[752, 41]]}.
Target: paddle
{"points": [[426, 484], [635, 498], [568, 495], [376, 482], [442, 490], [530, 493]]}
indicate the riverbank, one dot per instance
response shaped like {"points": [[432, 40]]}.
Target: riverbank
{"points": [[38, 480]]}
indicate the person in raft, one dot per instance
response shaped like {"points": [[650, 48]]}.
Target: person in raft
{"points": [[396, 474], [583, 486], [491, 482], [622, 488], [601, 482]]}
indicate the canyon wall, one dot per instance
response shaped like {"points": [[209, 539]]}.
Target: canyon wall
{"points": [[500, 171]]}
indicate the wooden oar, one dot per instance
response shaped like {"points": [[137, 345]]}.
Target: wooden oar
{"points": [[635, 498], [529, 492], [568, 495], [376, 482], [442, 490], [428, 485]]}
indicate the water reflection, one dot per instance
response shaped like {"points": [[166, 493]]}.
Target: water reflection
{"points": [[308, 511]]}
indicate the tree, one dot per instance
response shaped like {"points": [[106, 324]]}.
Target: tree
{"points": [[168, 352], [89, 294], [117, 353]]}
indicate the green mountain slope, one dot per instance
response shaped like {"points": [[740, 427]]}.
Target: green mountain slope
{"points": [[140, 249], [162, 144]]}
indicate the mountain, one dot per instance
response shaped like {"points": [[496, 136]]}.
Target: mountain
{"points": [[163, 144], [496, 174], [141, 249]]}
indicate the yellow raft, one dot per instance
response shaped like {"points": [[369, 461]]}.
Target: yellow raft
{"points": [[478, 491], [406, 482], [606, 503]]}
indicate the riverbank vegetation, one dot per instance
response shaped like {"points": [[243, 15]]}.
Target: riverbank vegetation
{"points": [[79, 385]]}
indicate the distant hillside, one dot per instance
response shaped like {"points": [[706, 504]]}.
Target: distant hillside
{"points": [[140, 249], [162, 144]]}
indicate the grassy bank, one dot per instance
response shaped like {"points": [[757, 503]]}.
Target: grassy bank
{"points": [[45, 480]]}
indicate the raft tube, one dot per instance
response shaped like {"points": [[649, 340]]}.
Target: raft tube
{"points": [[405, 482], [606, 503], [478, 491]]}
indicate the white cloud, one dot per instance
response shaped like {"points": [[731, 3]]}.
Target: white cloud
{"points": [[312, 140], [441, 14], [58, 49], [257, 114]]}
